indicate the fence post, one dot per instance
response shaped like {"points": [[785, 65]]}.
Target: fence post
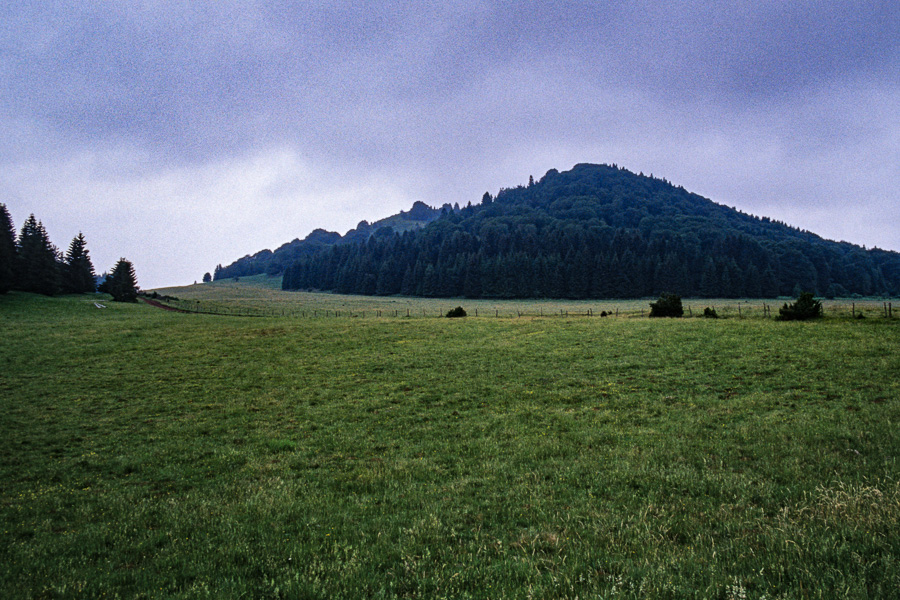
{"points": [[739, 309], [853, 309]]}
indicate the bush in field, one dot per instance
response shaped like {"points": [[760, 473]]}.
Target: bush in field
{"points": [[456, 312], [710, 313], [668, 305], [804, 308]]}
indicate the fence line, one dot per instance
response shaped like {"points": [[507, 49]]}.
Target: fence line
{"points": [[739, 310]]}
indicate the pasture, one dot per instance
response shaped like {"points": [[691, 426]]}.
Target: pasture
{"points": [[261, 295], [154, 454]]}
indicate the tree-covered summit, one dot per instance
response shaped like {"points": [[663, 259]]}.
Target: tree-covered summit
{"points": [[596, 231]]}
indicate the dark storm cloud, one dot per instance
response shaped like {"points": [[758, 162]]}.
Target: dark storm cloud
{"points": [[210, 78], [776, 107]]}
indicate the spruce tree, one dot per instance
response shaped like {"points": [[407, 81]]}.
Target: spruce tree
{"points": [[37, 268], [79, 272], [122, 283], [7, 251]]}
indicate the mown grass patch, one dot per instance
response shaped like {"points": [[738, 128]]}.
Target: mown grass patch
{"points": [[156, 454]]}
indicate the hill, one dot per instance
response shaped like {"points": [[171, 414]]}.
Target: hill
{"points": [[274, 263], [596, 231]]}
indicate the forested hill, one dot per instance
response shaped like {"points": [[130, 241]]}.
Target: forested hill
{"points": [[597, 231], [274, 263]]}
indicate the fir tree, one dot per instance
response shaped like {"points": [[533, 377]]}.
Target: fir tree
{"points": [[79, 272], [122, 283], [7, 251], [37, 265], [429, 282]]}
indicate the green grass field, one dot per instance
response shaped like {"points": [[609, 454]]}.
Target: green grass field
{"points": [[262, 295], [153, 454]]}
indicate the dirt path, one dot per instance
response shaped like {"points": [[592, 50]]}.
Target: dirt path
{"points": [[158, 304]]}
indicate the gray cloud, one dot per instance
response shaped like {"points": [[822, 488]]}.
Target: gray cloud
{"points": [[783, 109]]}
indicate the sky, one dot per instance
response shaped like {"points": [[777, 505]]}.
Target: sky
{"points": [[182, 135]]}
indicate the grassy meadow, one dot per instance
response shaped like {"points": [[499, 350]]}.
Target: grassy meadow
{"points": [[261, 295], [154, 454]]}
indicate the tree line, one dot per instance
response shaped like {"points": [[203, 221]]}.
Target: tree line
{"points": [[597, 231], [30, 262], [319, 240], [598, 266]]}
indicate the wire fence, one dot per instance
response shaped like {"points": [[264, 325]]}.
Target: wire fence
{"points": [[692, 309]]}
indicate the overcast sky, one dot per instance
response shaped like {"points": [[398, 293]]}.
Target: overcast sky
{"points": [[185, 134]]}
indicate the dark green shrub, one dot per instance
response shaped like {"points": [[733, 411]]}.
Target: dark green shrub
{"points": [[456, 312], [804, 308], [710, 313], [668, 305]]}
